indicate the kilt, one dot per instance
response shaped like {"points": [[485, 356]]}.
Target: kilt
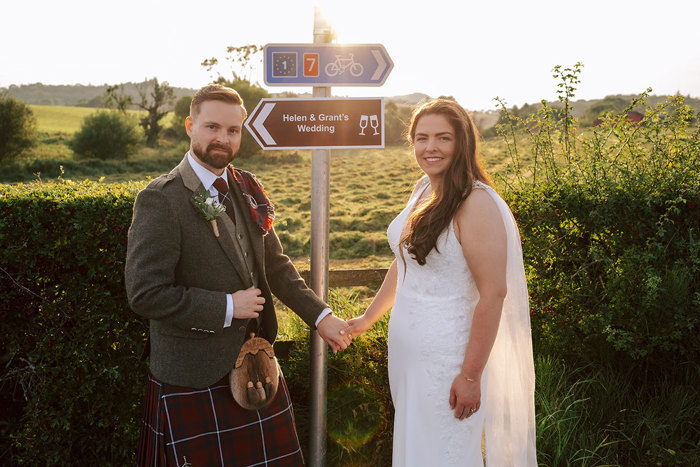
{"points": [[206, 427]]}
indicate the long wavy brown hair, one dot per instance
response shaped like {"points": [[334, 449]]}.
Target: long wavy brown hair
{"points": [[430, 220]]}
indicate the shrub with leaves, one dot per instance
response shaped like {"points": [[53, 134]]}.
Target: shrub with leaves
{"points": [[610, 224], [106, 135], [180, 112], [18, 128]]}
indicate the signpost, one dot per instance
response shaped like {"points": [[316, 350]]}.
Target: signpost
{"points": [[326, 64], [319, 123]]}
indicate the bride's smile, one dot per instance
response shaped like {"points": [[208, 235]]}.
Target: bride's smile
{"points": [[434, 145]]}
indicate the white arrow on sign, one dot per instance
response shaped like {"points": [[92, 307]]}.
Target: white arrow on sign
{"points": [[381, 65], [259, 123]]}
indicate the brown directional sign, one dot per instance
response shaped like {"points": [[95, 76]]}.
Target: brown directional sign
{"points": [[319, 123]]}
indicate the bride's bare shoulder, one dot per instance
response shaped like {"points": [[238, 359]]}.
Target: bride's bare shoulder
{"points": [[478, 209]]}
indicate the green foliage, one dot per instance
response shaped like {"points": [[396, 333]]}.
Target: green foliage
{"points": [[360, 414], [601, 415], [70, 345], [18, 128], [609, 220], [181, 112], [396, 120], [154, 98], [106, 135], [116, 98], [613, 104]]}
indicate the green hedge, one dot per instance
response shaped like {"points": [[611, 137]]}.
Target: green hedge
{"points": [[610, 219], [613, 276], [71, 370]]}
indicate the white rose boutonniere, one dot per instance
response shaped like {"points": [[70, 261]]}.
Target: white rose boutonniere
{"points": [[209, 207]]}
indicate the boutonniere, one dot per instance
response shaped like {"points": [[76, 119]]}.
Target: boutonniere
{"points": [[209, 207]]}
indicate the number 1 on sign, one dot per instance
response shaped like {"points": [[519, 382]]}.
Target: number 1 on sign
{"points": [[310, 64]]}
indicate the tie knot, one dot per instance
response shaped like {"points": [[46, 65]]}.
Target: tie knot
{"points": [[220, 185]]}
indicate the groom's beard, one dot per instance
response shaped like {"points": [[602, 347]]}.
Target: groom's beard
{"points": [[218, 161]]}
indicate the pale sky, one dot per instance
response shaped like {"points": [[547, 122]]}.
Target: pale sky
{"points": [[474, 51]]}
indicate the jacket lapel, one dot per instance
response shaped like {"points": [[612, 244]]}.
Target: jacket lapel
{"points": [[226, 227]]}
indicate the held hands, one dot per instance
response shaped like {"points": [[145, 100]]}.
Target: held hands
{"points": [[465, 396], [358, 325], [333, 330], [247, 303]]}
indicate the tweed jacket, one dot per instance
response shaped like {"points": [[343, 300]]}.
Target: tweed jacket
{"points": [[178, 274]]}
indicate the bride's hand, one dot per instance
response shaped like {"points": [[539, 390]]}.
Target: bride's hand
{"points": [[465, 396], [357, 326]]}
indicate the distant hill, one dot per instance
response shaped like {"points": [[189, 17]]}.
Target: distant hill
{"points": [[580, 106], [75, 95], [81, 95]]}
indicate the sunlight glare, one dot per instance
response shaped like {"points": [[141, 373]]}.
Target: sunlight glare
{"points": [[345, 18]]}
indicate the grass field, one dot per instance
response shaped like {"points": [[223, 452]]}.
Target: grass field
{"points": [[59, 119]]}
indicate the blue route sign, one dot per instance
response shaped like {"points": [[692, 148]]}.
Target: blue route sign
{"points": [[326, 64]]}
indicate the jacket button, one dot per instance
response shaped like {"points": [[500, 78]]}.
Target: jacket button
{"points": [[241, 329]]}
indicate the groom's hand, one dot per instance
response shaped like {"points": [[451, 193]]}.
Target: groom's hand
{"points": [[332, 330], [247, 303]]}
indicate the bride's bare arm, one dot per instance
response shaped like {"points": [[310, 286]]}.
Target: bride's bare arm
{"points": [[384, 299], [481, 232], [381, 303]]}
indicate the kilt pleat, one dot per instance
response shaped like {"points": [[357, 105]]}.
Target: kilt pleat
{"points": [[206, 427]]}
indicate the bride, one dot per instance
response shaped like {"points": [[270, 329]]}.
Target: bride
{"points": [[460, 349]]}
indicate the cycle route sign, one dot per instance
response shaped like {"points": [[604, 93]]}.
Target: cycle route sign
{"points": [[318, 123], [326, 64]]}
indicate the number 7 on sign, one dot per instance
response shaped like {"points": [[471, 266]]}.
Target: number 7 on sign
{"points": [[310, 64]]}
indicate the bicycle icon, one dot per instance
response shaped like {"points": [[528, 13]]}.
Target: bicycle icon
{"points": [[342, 63]]}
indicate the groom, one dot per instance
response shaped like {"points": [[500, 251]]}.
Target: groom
{"points": [[204, 288]]}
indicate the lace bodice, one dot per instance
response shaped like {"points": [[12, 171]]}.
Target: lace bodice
{"points": [[445, 276]]}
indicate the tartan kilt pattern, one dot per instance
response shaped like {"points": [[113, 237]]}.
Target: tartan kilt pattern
{"points": [[188, 427]]}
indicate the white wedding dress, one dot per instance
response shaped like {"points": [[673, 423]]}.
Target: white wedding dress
{"points": [[428, 334]]}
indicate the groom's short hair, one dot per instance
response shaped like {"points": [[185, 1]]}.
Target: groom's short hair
{"points": [[216, 92]]}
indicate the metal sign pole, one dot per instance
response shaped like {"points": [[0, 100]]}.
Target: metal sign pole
{"points": [[320, 202]]}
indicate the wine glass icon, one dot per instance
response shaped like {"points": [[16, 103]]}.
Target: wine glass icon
{"points": [[363, 124], [374, 122]]}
